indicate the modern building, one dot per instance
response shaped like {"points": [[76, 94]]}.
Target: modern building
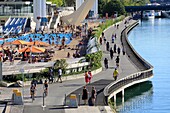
{"points": [[30, 10], [93, 12]]}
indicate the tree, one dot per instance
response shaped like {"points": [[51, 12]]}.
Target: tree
{"points": [[57, 2], [60, 64], [100, 6], [113, 6], [134, 2], [70, 2]]}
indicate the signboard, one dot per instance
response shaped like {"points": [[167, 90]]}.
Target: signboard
{"points": [[73, 101]]}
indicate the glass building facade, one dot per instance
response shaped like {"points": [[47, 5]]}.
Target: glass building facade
{"points": [[19, 8]]}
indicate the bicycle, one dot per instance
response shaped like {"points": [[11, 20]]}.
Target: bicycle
{"points": [[33, 96]]}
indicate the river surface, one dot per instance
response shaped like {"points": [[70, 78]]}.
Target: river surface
{"points": [[151, 39]]}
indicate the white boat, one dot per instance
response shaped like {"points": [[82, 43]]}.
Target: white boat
{"points": [[148, 14], [158, 14]]}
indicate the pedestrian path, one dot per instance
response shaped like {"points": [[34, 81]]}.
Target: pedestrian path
{"points": [[58, 91]]}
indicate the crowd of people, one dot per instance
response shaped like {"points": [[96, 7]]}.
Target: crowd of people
{"points": [[114, 51], [85, 95], [46, 82]]}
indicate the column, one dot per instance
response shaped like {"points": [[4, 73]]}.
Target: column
{"points": [[96, 10], [78, 3], [37, 12], [123, 97], [115, 101], [43, 8]]}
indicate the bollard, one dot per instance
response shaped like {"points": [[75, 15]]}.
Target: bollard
{"points": [[96, 97], [43, 98], [79, 99], [73, 101], [65, 100], [43, 106]]}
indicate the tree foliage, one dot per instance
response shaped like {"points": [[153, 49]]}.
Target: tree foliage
{"points": [[114, 6], [63, 2], [57, 2], [60, 64], [106, 5], [94, 59], [134, 2], [70, 2]]}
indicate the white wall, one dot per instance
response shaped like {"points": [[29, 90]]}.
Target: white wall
{"points": [[95, 6]]}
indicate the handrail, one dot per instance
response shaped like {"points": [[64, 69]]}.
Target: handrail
{"points": [[114, 86], [57, 21], [124, 81], [7, 22], [51, 19]]}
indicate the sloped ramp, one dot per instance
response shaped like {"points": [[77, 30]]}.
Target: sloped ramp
{"points": [[80, 14], [99, 86]]}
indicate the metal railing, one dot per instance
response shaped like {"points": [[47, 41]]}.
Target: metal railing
{"points": [[127, 80]]}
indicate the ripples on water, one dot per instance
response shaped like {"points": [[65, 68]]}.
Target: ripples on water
{"points": [[151, 39]]}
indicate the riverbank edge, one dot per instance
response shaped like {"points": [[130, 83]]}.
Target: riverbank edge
{"points": [[148, 65]]}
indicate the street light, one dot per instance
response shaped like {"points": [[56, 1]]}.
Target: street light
{"points": [[22, 71], [0, 70]]}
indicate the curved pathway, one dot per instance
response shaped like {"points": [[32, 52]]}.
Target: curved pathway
{"points": [[57, 91]]}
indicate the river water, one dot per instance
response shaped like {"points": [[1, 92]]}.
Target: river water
{"points": [[151, 39]]}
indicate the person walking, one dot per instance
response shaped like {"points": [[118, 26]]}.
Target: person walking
{"points": [[32, 91], [59, 75], [114, 48], [117, 61], [115, 74], [86, 76], [46, 88], [51, 75], [93, 95], [34, 82], [123, 50], [111, 53], [106, 63], [90, 76], [118, 50], [85, 95], [104, 38], [107, 46], [113, 38]]}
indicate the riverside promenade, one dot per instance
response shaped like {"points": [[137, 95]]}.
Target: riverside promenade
{"points": [[57, 91]]}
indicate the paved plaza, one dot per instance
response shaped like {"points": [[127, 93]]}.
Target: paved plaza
{"points": [[57, 91]]}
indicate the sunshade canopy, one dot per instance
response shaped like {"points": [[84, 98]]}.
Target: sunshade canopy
{"points": [[38, 43], [19, 42], [33, 49]]}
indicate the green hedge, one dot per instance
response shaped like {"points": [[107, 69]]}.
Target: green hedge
{"points": [[106, 24]]}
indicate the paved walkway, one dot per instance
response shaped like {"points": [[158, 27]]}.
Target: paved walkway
{"points": [[57, 91]]}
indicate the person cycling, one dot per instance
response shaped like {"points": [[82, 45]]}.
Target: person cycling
{"points": [[45, 87], [32, 91]]}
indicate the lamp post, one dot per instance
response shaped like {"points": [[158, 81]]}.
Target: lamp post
{"points": [[22, 71], [0, 70]]}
